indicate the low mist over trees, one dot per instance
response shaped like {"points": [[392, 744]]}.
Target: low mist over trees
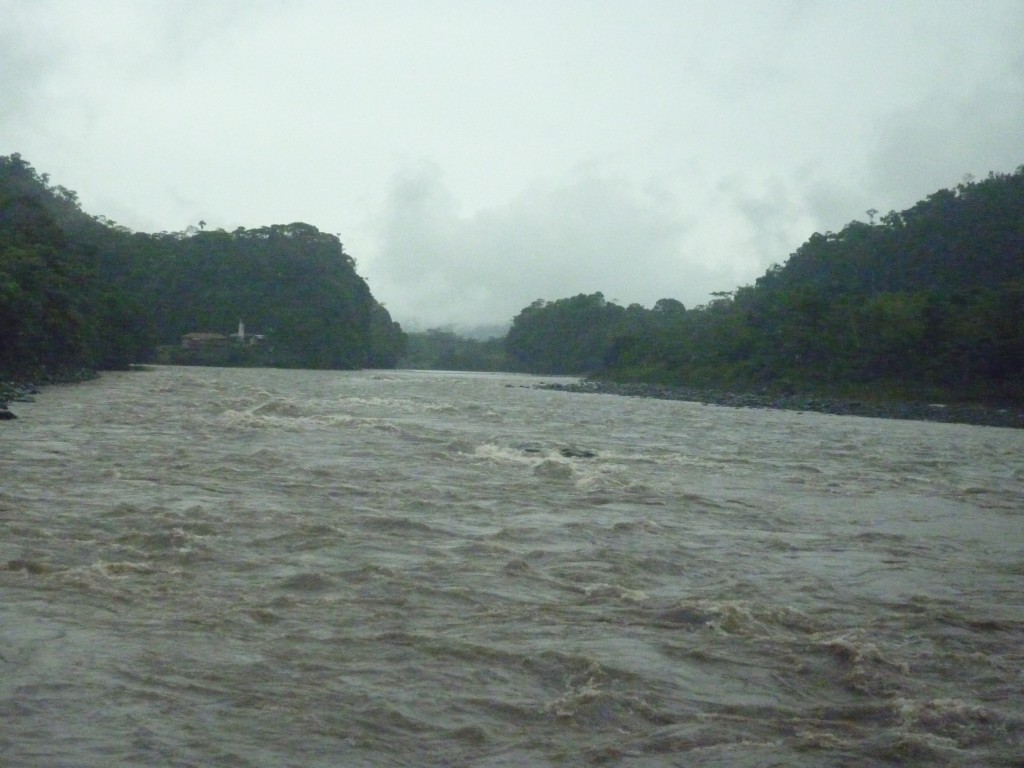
{"points": [[928, 301], [445, 350], [78, 291]]}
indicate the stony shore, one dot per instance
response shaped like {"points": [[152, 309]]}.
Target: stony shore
{"points": [[954, 413], [24, 391], [14, 393]]}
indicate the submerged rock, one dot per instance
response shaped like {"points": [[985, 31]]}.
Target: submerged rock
{"points": [[569, 451], [572, 452]]}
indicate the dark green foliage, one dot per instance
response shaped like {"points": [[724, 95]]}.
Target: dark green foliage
{"points": [[927, 303], [436, 349], [57, 314], [567, 336], [225, 355], [290, 283], [387, 339], [80, 291]]}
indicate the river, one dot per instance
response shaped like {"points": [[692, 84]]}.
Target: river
{"points": [[213, 567]]}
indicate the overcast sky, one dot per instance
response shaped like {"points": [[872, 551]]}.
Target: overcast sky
{"points": [[475, 155]]}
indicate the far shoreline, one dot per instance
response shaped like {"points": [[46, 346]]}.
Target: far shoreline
{"points": [[24, 387], [981, 415]]}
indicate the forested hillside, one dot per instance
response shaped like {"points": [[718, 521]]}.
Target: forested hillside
{"points": [[57, 314], [926, 302], [79, 291], [437, 349]]}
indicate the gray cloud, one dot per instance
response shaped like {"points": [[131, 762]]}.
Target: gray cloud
{"points": [[936, 141], [28, 60], [643, 150], [590, 231]]}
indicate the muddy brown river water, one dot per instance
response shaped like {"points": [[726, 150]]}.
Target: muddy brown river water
{"points": [[211, 567]]}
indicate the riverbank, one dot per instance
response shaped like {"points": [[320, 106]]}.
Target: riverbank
{"points": [[24, 389], [954, 413]]}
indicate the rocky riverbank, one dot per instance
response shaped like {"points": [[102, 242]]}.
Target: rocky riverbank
{"points": [[957, 413], [11, 392], [24, 391]]}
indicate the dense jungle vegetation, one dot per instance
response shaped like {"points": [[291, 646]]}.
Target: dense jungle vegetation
{"points": [[445, 350], [924, 303], [928, 302], [79, 292]]}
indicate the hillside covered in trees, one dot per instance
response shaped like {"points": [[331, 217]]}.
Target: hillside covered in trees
{"points": [[80, 292], [928, 302], [924, 303], [445, 350]]}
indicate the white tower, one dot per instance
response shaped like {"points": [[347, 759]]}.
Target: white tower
{"points": [[241, 331]]}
